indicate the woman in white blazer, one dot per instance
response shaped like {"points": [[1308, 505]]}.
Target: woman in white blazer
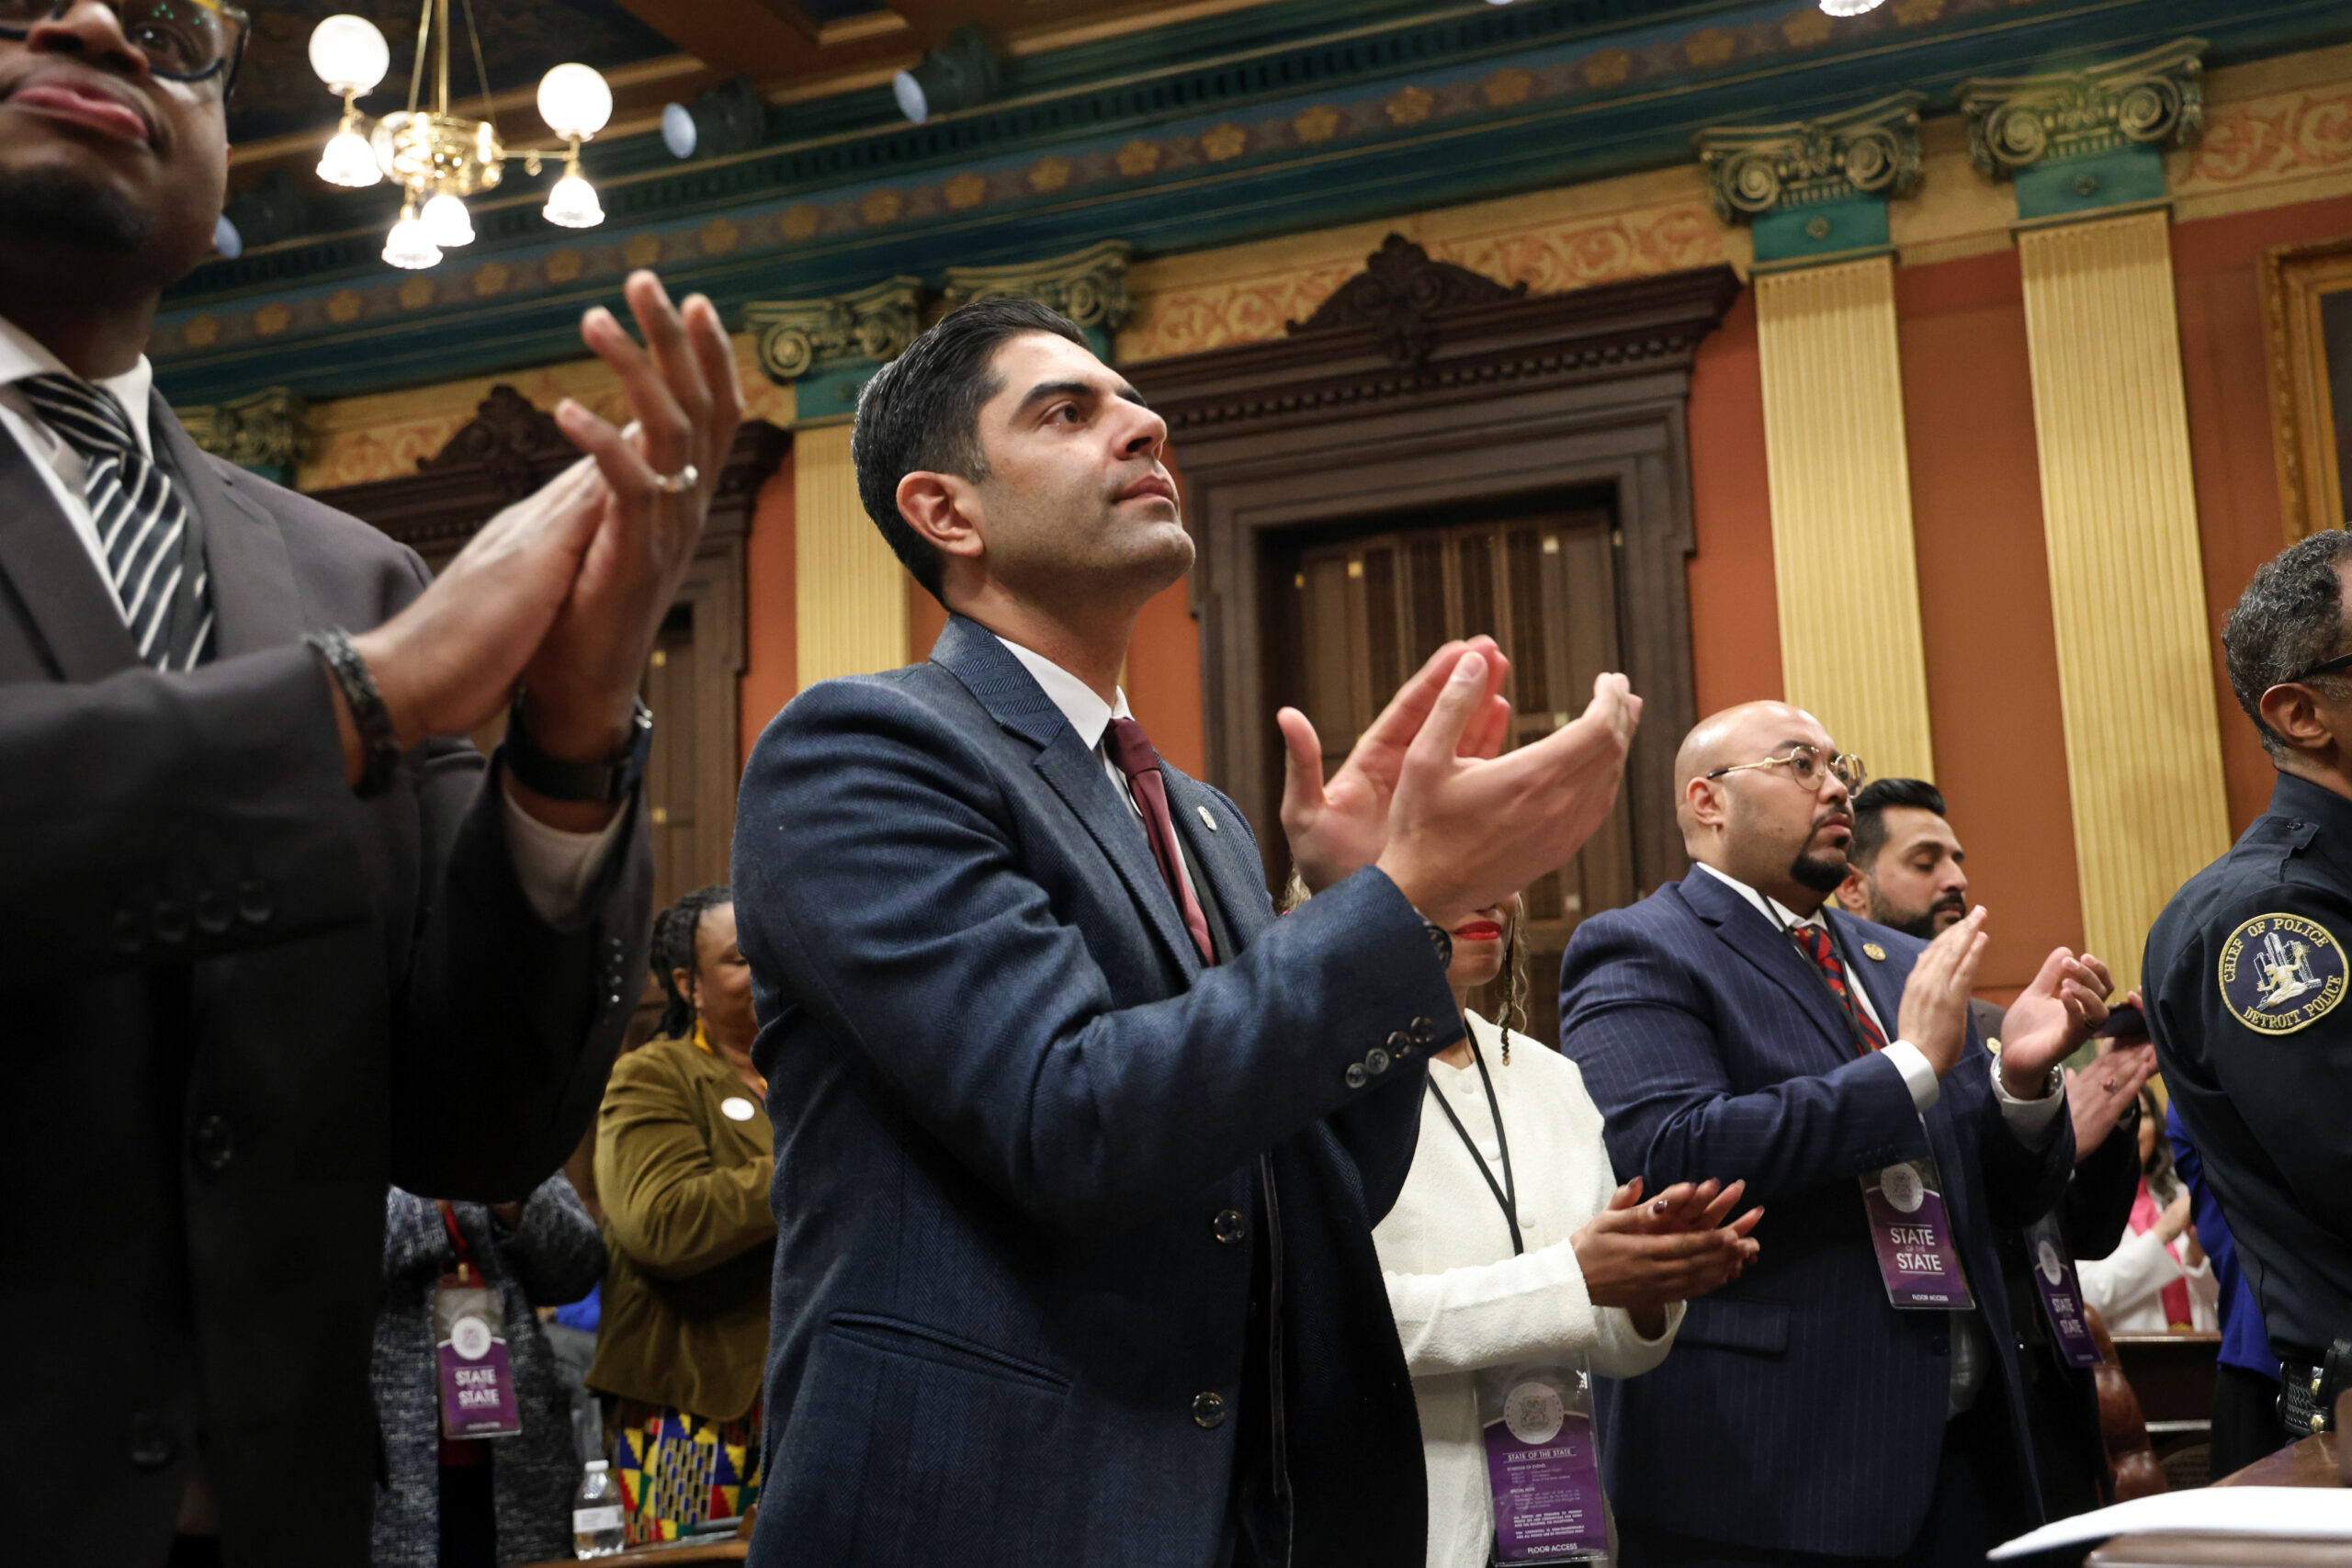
{"points": [[1593, 1275]]}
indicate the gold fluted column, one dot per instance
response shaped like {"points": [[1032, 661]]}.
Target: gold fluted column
{"points": [[850, 592], [1845, 570], [2136, 672]]}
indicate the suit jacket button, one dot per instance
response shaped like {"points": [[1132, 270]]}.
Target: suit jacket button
{"points": [[1400, 1043], [151, 1446], [1355, 1076], [170, 921], [216, 1148], [1208, 1410], [1423, 1032], [129, 931], [1230, 1226], [1376, 1061], [253, 903], [212, 913]]}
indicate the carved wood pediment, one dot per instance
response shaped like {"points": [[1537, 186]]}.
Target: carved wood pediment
{"points": [[508, 440], [1399, 295]]}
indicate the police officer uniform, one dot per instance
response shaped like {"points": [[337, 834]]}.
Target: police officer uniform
{"points": [[2245, 976]]}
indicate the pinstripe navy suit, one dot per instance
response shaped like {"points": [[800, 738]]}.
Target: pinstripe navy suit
{"points": [[1799, 1412]]}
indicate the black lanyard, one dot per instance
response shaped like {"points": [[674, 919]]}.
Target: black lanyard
{"points": [[1505, 1195]]}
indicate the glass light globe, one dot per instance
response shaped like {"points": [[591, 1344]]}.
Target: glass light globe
{"points": [[409, 244], [912, 103], [572, 203], [350, 54], [348, 161], [1851, 8], [445, 219], [575, 101]]}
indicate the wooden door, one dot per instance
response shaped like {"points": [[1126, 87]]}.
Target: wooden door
{"points": [[1366, 609]]}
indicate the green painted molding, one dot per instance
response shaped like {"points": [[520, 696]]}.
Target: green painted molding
{"points": [[2075, 141], [1815, 188], [825, 349], [268, 432], [1089, 286]]}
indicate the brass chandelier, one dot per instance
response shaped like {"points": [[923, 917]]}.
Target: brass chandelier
{"points": [[437, 158]]}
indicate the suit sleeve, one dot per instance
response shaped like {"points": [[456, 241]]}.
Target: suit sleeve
{"points": [[2098, 1199], [880, 875], [555, 1253], [165, 818], [1634, 1021]]}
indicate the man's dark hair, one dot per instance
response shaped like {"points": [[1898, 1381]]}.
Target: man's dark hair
{"points": [[1870, 808], [675, 931], [2290, 618], [921, 413]]}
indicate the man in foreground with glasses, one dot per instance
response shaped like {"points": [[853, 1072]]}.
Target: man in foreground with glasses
{"points": [[1862, 1377], [272, 944], [2246, 974]]}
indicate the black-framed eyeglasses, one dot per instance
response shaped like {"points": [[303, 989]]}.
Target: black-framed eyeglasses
{"points": [[184, 41], [2325, 667], [1805, 765]]}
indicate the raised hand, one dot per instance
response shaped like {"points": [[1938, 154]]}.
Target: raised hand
{"points": [[2051, 1018], [1627, 1262], [2097, 1097], [1466, 832], [567, 588], [1336, 829], [1934, 1014]]}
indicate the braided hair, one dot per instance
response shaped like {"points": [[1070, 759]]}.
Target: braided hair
{"points": [[674, 931]]}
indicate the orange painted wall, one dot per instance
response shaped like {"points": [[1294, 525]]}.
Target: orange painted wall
{"points": [[1734, 620], [1991, 658], [770, 628], [2224, 351]]}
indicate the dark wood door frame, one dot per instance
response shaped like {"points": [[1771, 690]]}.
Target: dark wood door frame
{"points": [[1420, 385]]}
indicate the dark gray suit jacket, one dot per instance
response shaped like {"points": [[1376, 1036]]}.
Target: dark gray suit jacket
{"points": [[236, 1001], [1022, 1134]]}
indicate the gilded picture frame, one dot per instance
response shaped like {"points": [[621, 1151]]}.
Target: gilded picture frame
{"points": [[2307, 313]]}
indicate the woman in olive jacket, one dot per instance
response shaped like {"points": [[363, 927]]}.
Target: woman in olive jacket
{"points": [[683, 1156]]}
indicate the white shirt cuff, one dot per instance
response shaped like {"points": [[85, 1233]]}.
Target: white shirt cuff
{"points": [[2035, 1122], [557, 868], [1917, 1075]]}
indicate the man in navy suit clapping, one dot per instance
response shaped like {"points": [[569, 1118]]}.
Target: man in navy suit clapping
{"points": [[1079, 1149], [1856, 1393]]}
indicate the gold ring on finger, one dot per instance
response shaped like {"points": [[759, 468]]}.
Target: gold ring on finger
{"points": [[685, 479]]}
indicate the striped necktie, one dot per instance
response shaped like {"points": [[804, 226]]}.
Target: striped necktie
{"points": [[141, 520], [1814, 941]]}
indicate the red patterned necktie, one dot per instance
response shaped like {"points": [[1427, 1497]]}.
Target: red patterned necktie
{"points": [[1815, 941], [1132, 751]]}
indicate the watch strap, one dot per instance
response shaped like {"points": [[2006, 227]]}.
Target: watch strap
{"points": [[379, 744], [605, 782]]}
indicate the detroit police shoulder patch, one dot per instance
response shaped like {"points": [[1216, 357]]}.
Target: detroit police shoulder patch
{"points": [[2281, 972]]}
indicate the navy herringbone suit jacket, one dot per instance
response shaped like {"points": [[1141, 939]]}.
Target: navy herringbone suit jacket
{"points": [[1799, 1411], [1018, 1132]]}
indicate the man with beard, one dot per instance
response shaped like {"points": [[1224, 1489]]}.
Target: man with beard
{"points": [[1906, 872], [276, 940], [1729, 1023]]}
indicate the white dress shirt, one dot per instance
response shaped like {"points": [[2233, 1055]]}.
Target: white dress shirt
{"points": [[1463, 1301], [555, 868], [1091, 717]]}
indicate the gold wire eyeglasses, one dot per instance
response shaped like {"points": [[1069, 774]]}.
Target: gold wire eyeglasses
{"points": [[1805, 765]]}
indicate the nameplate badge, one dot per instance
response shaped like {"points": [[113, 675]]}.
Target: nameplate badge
{"points": [[1912, 1236], [2061, 1289], [477, 1378], [1543, 1466]]}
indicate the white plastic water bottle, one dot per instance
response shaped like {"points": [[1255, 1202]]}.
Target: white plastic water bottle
{"points": [[597, 1513]]}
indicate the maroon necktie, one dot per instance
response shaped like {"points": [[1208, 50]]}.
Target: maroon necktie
{"points": [[1131, 751], [1814, 940]]}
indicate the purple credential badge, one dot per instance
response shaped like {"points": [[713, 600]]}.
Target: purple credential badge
{"points": [[1541, 1465], [477, 1381], [2061, 1293], [1916, 1256]]}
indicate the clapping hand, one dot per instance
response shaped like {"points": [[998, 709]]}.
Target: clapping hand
{"points": [[1934, 1012], [2051, 1018], [2097, 1097], [1336, 829], [1643, 1256]]}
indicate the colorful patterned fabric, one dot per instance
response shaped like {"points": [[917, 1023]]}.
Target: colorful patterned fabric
{"points": [[677, 1469]]}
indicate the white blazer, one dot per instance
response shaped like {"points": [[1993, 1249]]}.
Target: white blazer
{"points": [[1463, 1301]]}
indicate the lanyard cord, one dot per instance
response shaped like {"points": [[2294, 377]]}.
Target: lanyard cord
{"points": [[1505, 1195], [457, 1239]]}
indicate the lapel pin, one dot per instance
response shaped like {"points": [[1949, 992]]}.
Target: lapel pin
{"points": [[1873, 949], [1207, 818]]}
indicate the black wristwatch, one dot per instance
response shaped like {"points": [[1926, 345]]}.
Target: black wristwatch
{"points": [[608, 783]]}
